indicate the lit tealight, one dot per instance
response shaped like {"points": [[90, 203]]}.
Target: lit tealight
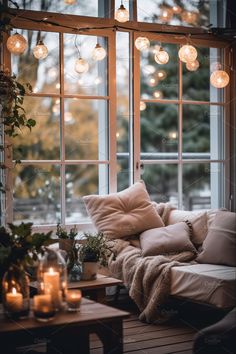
{"points": [[99, 52], [142, 43], [187, 53], [142, 106], [162, 57], [219, 79], [16, 44], [192, 65], [81, 66]]}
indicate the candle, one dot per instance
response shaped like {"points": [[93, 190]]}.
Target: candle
{"points": [[14, 301], [52, 286], [43, 307], [73, 299]]}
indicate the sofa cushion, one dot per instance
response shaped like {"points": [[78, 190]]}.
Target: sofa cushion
{"points": [[198, 220], [219, 246], [166, 240], [124, 213]]}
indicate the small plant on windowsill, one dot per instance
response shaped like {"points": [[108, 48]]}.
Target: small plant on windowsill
{"points": [[94, 251], [67, 239]]}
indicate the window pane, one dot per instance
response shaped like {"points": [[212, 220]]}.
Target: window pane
{"points": [[122, 172], [36, 194], [81, 7], [159, 131], [161, 182], [157, 80], [92, 82], [196, 131], [187, 13], [201, 186], [196, 84], [80, 180], [43, 74], [43, 142], [85, 129]]}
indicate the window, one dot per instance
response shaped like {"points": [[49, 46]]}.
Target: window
{"points": [[126, 118]]}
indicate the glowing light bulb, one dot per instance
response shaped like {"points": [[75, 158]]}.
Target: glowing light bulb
{"points": [[152, 81], [142, 43], [99, 52], [40, 51], [177, 9], [158, 94], [189, 17], [142, 106], [187, 53], [70, 2], [162, 57], [166, 14], [192, 65], [219, 78], [161, 74], [16, 44], [121, 14], [81, 66]]}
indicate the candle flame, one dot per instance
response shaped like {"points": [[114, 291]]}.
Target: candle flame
{"points": [[14, 291], [51, 270]]}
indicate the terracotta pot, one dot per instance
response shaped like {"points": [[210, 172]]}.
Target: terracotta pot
{"points": [[89, 270]]}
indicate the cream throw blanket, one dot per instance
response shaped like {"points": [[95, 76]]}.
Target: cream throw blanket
{"points": [[147, 278]]}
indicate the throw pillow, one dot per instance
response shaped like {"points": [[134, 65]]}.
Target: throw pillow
{"points": [[219, 246], [166, 240], [124, 213], [198, 220]]}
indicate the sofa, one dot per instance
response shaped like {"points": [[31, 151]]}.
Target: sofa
{"points": [[208, 276]]}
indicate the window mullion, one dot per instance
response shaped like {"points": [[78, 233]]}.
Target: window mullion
{"points": [[180, 140], [62, 130]]}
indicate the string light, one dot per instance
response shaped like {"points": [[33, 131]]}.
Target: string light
{"points": [[152, 81], [70, 2], [192, 65], [99, 52], [161, 57], [81, 66], [189, 17], [142, 106], [166, 14], [161, 74], [121, 14], [177, 9], [40, 51], [16, 44], [142, 43], [187, 53], [158, 94], [219, 79]]}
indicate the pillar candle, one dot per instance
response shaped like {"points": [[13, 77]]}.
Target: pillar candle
{"points": [[14, 301], [52, 286]]}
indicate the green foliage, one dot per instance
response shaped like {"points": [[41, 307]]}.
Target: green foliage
{"points": [[18, 245], [96, 248], [11, 100], [63, 234]]}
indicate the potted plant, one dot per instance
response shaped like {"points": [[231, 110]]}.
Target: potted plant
{"points": [[66, 238], [94, 251]]}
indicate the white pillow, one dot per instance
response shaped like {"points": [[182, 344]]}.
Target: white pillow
{"points": [[198, 220], [124, 213]]}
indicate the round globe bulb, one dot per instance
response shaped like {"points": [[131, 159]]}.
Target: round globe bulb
{"points": [[121, 14], [158, 94], [162, 57], [16, 44], [189, 17], [219, 79], [99, 53], [81, 66], [166, 14], [142, 43], [142, 106], [177, 9], [40, 51], [187, 53], [192, 65]]}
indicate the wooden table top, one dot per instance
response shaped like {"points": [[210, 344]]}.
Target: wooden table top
{"points": [[90, 312]]}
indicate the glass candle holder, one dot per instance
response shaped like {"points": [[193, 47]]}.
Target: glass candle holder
{"points": [[15, 293], [73, 300], [43, 307], [52, 277]]}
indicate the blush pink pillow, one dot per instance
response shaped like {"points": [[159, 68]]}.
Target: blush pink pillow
{"points": [[124, 213]]}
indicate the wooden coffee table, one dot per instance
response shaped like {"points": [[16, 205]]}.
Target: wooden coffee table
{"points": [[67, 333], [95, 289]]}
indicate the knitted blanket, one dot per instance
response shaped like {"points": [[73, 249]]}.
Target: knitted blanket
{"points": [[147, 278]]}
